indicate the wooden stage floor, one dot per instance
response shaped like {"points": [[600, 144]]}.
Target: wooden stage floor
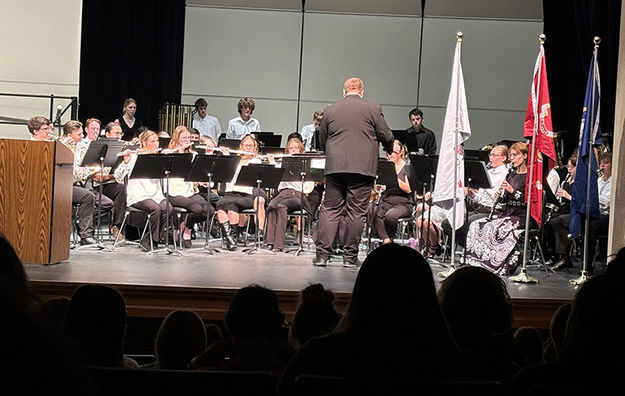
{"points": [[155, 284]]}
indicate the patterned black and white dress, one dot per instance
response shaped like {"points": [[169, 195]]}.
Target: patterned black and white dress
{"points": [[492, 243]]}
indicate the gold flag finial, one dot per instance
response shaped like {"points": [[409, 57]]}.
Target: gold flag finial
{"points": [[596, 40], [542, 38], [459, 36]]}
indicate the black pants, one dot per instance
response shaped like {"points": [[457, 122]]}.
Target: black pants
{"points": [[195, 205], [345, 194], [286, 201]]}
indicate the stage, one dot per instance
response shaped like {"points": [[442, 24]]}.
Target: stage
{"points": [[154, 284]]}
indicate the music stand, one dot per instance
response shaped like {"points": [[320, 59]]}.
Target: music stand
{"points": [[408, 138], [259, 176], [386, 176], [297, 168], [475, 176], [212, 169], [102, 153], [476, 155], [425, 172], [268, 139], [232, 144], [272, 150], [163, 142], [163, 166]]}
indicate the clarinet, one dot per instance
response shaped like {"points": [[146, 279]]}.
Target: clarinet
{"points": [[501, 195]]}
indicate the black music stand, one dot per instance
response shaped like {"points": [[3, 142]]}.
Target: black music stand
{"points": [[163, 166], [297, 168], [268, 139], [163, 142], [232, 144], [408, 138], [475, 176], [102, 153], [212, 169], [259, 176], [425, 171], [385, 176]]}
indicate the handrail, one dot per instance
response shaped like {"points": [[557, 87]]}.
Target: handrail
{"points": [[73, 104]]}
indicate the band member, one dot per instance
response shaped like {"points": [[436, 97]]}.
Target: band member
{"points": [[146, 194], [349, 134], [395, 202], [310, 132], [238, 198], [599, 226], [128, 122], [244, 124], [491, 243], [289, 198], [481, 200], [558, 217], [182, 193]]}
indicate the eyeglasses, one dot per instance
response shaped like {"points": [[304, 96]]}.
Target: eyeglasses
{"points": [[45, 128], [495, 155]]}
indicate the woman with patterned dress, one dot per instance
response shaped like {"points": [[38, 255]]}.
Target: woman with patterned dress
{"points": [[491, 243]]}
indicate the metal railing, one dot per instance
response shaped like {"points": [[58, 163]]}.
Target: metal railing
{"points": [[52, 115]]}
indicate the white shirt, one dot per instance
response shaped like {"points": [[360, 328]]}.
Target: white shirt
{"points": [[139, 189], [605, 189], [237, 128], [486, 196], [308, 132], [208, 126]]}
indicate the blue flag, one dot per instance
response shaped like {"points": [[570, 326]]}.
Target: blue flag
{"points": [[589, 136]]}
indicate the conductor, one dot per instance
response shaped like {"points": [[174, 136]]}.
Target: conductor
{"points": [[349, 134]]}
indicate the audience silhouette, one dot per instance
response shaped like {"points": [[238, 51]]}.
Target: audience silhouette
{"points": [[314, 316], [257, 342], [478, 310], [180, 338], [392, 332], [591, 357], [557, 329], [96, 322]]}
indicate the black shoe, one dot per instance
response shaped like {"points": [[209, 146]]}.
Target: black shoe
{"points": [[320, 262], [563, 263], [278, 250], [269, 247], [87, 241]]}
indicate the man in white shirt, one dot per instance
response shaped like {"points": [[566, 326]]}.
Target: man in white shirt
{"points": [[599, 226], [207, 125], [244, 124], [309, 132]]}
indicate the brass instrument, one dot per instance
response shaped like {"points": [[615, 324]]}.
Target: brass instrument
{"points": [[171, 115], [556, 146]]}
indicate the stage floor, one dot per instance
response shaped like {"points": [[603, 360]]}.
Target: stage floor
{"points": [[154, 284]]}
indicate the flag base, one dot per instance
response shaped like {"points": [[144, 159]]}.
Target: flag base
{"points": [[446, 273], [582, 278], [523, 277]]}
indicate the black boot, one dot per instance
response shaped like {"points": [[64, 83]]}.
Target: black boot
{"points": [[226, 236], [239, 234]]}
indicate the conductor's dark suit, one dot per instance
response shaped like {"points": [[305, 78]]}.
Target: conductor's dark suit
{"points": [[349, 134]]}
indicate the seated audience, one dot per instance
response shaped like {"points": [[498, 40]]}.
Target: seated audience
{"points": [[315, 315]]}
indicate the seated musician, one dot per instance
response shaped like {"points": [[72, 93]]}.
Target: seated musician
{"points": [[238, 198], [289, 198], [395, 202], [182, 193], [146, 194], [599, 226], [481, 200], [491, 242], [558, 217], [429, 220]]}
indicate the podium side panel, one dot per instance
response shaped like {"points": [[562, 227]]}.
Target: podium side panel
{"points": [[26, 179], [61, 204]]}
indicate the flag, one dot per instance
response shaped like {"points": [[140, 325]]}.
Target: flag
{"points": [[589, 136], [538, 129], [456, 130]]}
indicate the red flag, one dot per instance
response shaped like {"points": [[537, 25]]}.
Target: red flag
{"points": [[539, 130]]}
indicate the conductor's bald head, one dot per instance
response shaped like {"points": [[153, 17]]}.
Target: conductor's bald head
{"points": [[353, 85]]}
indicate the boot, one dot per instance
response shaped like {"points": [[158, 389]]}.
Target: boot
{"points": [[226, 236], [239, 234]]}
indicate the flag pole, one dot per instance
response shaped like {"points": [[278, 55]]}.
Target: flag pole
{"points": [[452, 265], [523, 276], [584, 275]]}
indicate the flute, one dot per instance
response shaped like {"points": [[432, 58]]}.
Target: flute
{"points": [[139, 151]]}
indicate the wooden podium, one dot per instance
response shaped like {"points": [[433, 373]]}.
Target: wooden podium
{"points": [[36, 199]]}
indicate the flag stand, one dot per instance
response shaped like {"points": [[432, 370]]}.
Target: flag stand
{"points": [[524, 277], [452, 266], [584, 275]]}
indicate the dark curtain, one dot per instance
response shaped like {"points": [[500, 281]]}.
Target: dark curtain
{"points": [[570, 26], [130, 49]]}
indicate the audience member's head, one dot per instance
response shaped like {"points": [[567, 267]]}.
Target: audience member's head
{"points": [[13, 276], [476, 304], [254, 314], [530, 343], [314, 316], [96, 321], [616, 266], [181, 337], [54, 308]]}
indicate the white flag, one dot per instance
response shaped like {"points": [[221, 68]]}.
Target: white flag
{"points": [[451, 157]]}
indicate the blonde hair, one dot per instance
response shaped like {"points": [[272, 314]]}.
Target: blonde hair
{"points": [[253, 140], [175, 136], [300, 145], [145, 135]]}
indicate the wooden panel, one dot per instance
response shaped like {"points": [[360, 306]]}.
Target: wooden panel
{"points": [[27, 171], [60, 229]]}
